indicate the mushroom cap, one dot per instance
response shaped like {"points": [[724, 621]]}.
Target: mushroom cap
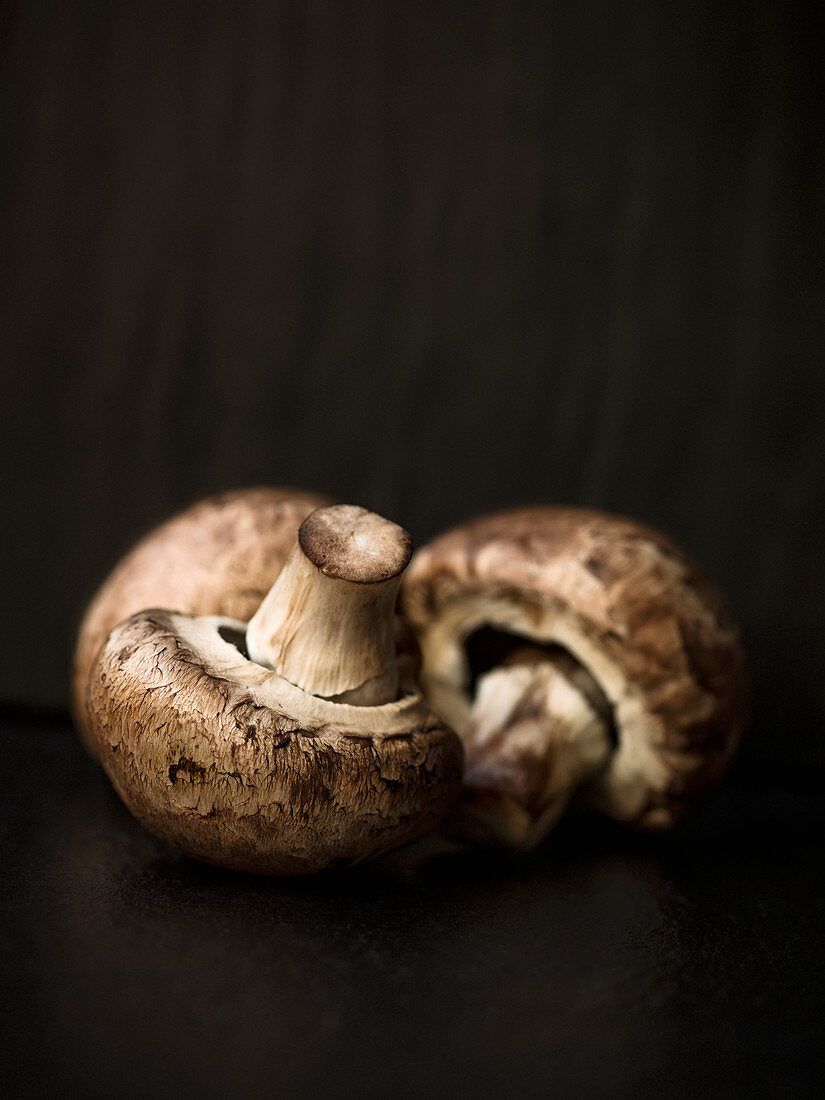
{"points": [[231, 764], [630, 607], [218, 557]]}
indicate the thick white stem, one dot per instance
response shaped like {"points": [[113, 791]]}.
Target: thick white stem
{"points": [[327, 624]]}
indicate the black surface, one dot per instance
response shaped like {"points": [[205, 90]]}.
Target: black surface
{"points": [[605, 965], [433, 258]]}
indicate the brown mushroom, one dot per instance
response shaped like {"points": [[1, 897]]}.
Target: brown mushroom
{"points": [[575, 653], [218, 557], [320, 751]]}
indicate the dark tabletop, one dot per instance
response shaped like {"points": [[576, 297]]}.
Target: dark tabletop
{"points": [[604, 965]]}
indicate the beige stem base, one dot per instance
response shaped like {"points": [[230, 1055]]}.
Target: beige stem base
{"points": [[533, 739]]}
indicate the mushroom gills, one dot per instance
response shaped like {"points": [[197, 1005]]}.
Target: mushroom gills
{"points": [[630, 606], [540, 727]]}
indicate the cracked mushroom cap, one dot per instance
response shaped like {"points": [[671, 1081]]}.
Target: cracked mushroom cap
{"points": [[633, 613], [218, 557], [234, 765]]}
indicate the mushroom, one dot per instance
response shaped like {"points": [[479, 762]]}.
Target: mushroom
{"points": [[218, 557], [576, 654], [292, 744]]}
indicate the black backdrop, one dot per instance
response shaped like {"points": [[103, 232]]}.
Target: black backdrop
{"points": [[434, 258]]}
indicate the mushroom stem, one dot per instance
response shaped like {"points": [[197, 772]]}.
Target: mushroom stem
{"points": [[327, 624], [535, 735]]}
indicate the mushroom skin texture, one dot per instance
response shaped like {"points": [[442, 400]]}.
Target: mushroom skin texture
{"points": [[233, 764], [218, 557], [640, 693]]}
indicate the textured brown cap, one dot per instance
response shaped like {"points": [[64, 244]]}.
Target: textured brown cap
{"points": [[630, 606], [218, 557], [234, 765]]}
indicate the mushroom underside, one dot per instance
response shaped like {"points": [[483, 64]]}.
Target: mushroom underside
{"points": [[645, 771], [490, 647]]}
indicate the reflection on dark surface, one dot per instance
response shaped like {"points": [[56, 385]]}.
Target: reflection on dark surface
{"points": [[604, 964]]}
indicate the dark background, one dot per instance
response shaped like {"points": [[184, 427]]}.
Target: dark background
{"points": [[435, 258], [431, 258]]}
